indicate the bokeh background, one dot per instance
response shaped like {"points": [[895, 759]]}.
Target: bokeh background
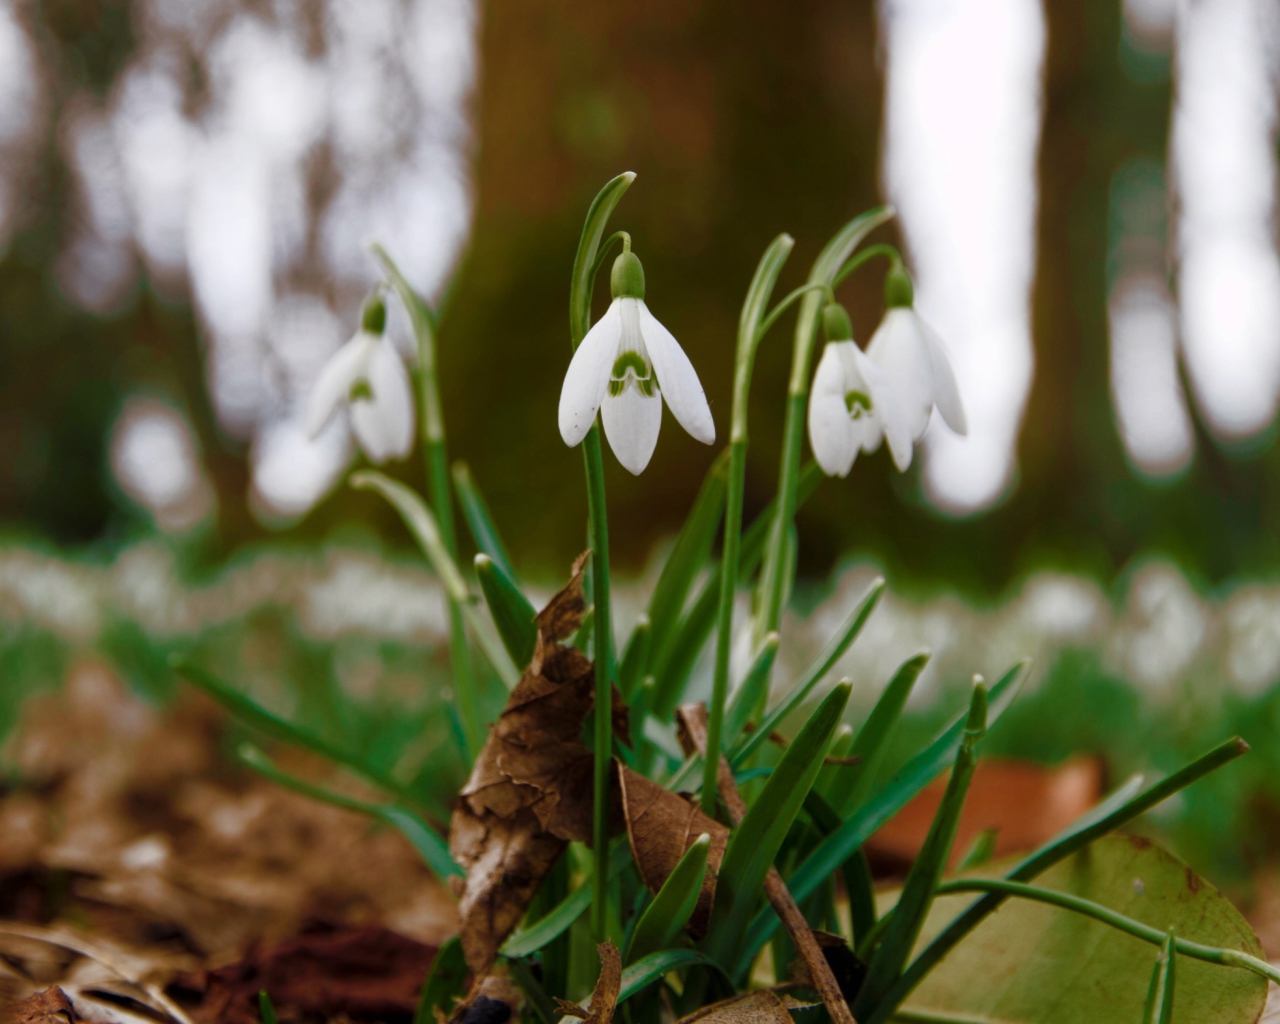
{"points": [[1087, 193]]}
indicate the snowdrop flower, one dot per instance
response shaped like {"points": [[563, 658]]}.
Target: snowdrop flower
{"points": [[628, 363], [912, 358], [852, 406], [367, 374]]}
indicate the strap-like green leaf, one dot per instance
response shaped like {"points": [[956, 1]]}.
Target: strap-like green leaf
{"points": [[660, 925], [652, 967], [754, 688], [872, 744], [475, 510], [266, 1009], [422, 524], [917, 773], [446, 983], [755, 842], [512, 613], [635, 658], [921, 886], [813, 675], [560, 917]]}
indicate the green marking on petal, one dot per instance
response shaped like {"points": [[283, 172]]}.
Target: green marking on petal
{"points": [[360, 392], [632, 361], [858, 403]]}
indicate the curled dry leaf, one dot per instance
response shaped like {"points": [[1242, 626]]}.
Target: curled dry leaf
{"points": [[530, 788], [604, 999], [761, 1007], [661, 826], [493, 999], [49, 1006]]}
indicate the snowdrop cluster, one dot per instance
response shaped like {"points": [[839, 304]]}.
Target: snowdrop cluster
{"points": [[888, 392]]}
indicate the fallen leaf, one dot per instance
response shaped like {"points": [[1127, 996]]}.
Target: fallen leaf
{"points": [[530, 790], [849, 971], [49, 1006], [761, 1007], [604, 998], [493, 999], [661, 826]]}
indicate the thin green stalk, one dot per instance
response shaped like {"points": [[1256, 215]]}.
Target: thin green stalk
{"points": [[439, 492], [773, 583], [867, 254], [749, 336], [1080, 905], [585, 267]]}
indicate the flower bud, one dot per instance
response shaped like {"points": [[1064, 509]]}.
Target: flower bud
{"points": [[374, 318], [836, 325], [898, 290], [627, 279]]}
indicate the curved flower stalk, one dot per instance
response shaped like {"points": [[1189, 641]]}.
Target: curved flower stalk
{"points": [[625, 366], [852, 406], [367, 375], [914, 361]]}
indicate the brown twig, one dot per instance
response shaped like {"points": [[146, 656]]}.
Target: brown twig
{"points": [[693, 737]]}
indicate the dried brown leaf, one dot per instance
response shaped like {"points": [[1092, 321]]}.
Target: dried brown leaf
{"points": [[530, 790], [761, 1007], [661, 826], [605, 997], [493, 999], [49, 1006]]}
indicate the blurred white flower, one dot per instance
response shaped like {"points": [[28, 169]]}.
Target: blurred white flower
{"points": [[367, 374], [628, 362], [913, 360]]}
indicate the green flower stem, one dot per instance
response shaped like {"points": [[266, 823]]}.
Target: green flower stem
{"points": [[585, 266], [773, 575], [869, 253], [1079, 905], [439, 493], [750, 333]]}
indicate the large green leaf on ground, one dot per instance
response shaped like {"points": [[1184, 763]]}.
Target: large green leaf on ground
{"points": [[1029, 963]]}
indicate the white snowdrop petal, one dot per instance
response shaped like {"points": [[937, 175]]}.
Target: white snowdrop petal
{"points": [[898, 348], [677, 378], [888, 413], [587, 379], [344, 368], [631, 423], [831, 431], [384, 424], [946, 392]]}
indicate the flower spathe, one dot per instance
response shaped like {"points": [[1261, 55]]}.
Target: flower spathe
{"points": [[851, 408], [367, 375], [624, 368]]}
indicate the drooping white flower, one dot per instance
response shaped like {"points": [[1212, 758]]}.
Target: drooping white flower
{"points": [[914, 361], [626, 365], [851, 405], [367, 375]]}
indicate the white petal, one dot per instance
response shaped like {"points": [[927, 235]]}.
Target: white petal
{"points": [[946, 393], [887, 411], [383, 424], [631, 422], [587, 379], [346, 366], [677, 378], [831, 431], [898, 348]]}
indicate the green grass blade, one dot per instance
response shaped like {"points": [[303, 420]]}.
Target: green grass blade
{"points": [[511, 610], [1159, 1008], [446, 983], [430, 845], [753, 690], [690, 555], [561, 917], [921, 886], [981, 851], [813, 675], [475, 510], [660, 925], [631, 672], [872, 744], [917, 773], [652, 967], [754, 844], [422, 524], [1115, 812], [536, 998], [860, 888], [266, 1009]]}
